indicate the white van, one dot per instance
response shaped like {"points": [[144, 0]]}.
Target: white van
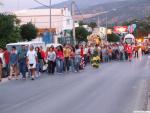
{"points": [[27, 44]]}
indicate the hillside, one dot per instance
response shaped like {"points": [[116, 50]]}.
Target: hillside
{"points": [[84, 3], [118, 12]]}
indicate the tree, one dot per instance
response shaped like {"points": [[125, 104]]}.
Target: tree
{"points": [[81, 34], [81, 23], [28, 31], [92, 25], [9, 29], [113, 38]]}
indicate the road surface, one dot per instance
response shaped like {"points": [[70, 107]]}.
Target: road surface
{"points": [[115, 87]]}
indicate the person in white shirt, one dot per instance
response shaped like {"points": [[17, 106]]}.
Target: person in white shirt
{"points": [[1, 63], [85, 52], [51, 56], [121, 50], [2, 57], [77, 58], [32, 61]]}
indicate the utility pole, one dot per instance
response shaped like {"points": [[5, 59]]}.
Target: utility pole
{"points": [[106, 26], [50, 15], [98, 21], [18, 4], [73, 16]]}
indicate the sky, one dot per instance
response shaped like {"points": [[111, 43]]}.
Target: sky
{"points": [[11, 5]]}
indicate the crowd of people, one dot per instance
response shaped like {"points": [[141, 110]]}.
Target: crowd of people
{"points": [[33, 62]]}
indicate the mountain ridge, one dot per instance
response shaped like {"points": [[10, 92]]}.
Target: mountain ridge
{"points": [[82, 4], [120, 11]]}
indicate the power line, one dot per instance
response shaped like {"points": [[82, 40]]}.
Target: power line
{"points": [[79, 10], [49, 11], [41, 3]]}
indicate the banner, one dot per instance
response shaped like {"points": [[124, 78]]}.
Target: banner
{"points": [[120, 29], [131, 28]]}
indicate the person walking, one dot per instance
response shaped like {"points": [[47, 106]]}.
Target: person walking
{"points": [[39, 61], [125, 51], [66, 52], [1, 69], [42, 61], [72, 59], [3, 61], [13, 64], [77, 58], [85, 52], [110, 53], [82, 63], [129, 51], [136, 51], [60, 60], [51, 57], [121, 52], [104, 54], [117, 52], [32, 61], [7, 57], [22, 61]]}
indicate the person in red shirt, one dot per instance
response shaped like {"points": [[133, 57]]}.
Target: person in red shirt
{"points": [[60, 60], [7, 57], [42, 61], [1, 68], [42, 53], [129, 51]]}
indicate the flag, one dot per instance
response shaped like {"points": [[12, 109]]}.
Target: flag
{"points": [[131, 28]]}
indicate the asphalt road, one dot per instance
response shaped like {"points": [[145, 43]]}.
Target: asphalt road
{"points": [[113, 88]]}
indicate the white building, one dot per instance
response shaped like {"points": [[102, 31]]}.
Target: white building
{"points": [[101, 31], [61, 19]]}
